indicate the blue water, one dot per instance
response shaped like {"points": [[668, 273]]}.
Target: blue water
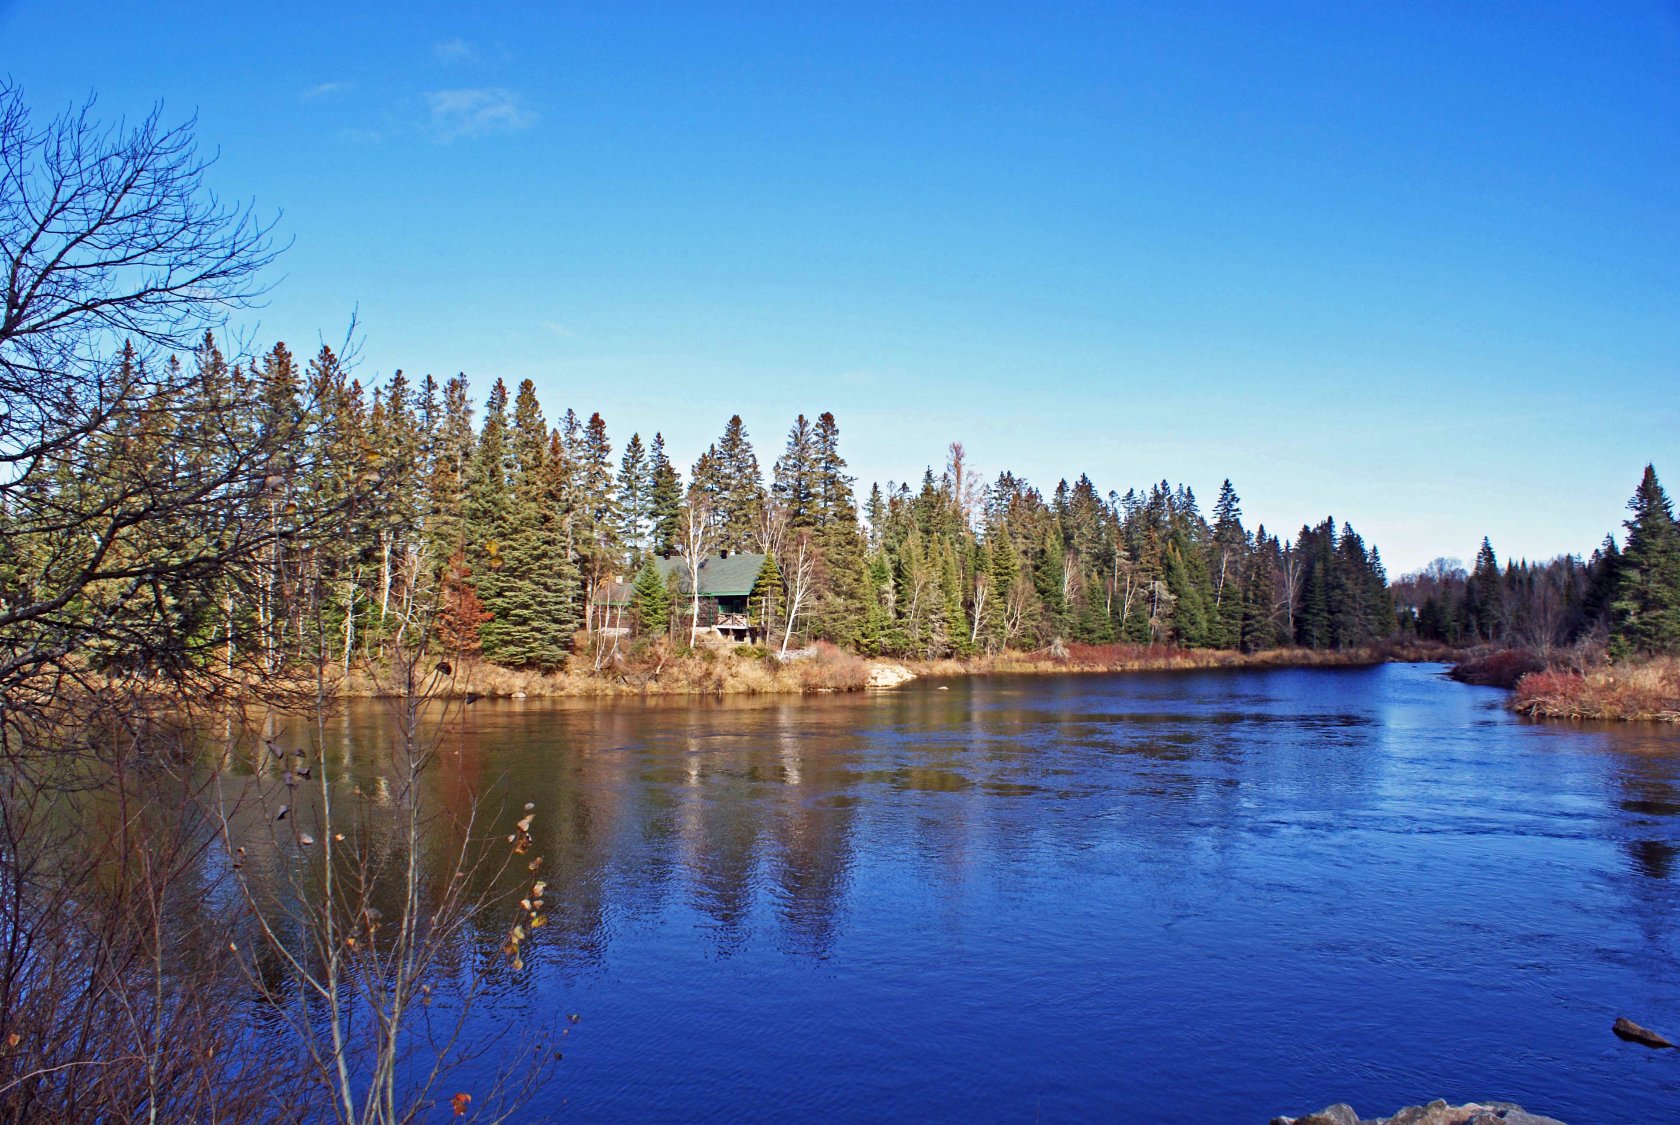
{"points": [[1203, 897]]}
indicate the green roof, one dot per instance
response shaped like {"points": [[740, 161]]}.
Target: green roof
{"points": [[720, 577]]}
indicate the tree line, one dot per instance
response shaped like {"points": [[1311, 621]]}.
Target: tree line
{"points": [[1624, 599], [513, 526]]}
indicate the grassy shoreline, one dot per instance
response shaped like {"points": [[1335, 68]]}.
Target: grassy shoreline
{"points": [[829, 669], [1583, 685], [1642, 691]]}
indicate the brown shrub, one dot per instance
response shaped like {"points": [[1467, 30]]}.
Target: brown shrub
{"points": [[832, 669], [1648, 689]]}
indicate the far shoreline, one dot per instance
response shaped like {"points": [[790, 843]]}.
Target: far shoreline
{"points": [[826, 669]]}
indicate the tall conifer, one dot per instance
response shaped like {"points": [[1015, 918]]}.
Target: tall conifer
{"points": [[1645, 614]]}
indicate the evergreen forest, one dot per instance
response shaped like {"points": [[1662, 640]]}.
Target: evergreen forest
{"points": [[515, 523]]}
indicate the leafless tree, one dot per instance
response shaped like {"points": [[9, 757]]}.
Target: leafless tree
{"points": [[125, 479], [366, 954], [967, 489], [799, 572], [115, 965], [697, 535]]}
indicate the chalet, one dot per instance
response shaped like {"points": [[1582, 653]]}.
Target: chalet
{"points": [[726, 581]]}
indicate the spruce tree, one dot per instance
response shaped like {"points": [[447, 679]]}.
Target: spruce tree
{"points": [[600, 504], [1230, 553], [664, 498], [1187, 580], [560, 517], [600, 551], [450, 470], [739, 502], [1603, 576], [1005, 572], [635, 495], [875, 511], [957, 628], [489, 503], [1315, 552], [1049, 576], [795, 485], [840, 605], [650, 602], [1485, 596], [533, 608], [1645, 614]]}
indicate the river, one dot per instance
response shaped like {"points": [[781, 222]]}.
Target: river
{"points": [[1199, 897]]}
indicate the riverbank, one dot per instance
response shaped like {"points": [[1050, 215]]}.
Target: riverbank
{"points": [[1583, 686], [750, 670], [1644, 691]]}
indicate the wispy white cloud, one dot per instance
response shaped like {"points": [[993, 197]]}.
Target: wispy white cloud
{"points": [[456, 50], [465, 114], [324, 90], [554, 327]]}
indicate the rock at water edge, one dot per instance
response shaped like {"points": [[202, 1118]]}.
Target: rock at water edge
{"points": [[887, 674]]}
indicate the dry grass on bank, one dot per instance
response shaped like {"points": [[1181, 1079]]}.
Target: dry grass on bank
{"points": [[655, 669], [660, 668], [1648, 690]]}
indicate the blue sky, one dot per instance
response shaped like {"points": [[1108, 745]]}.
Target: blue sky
{"points": [[1414, 265]]}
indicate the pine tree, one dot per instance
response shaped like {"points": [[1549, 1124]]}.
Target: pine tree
{"points": [[1230, 553], [795, 485], [1645, 615], [650, 602], [599, 549], [739, 499], [1187, 580], [635, 495], [664, 499], [1004, 573], [839, 607], [1604, 571], [559, 499], [951, 588], [489, 503], [450, 469], [1315, 552], [533, 608], [705, 483], [1049, 577], [1485, 596], [875, 511]]}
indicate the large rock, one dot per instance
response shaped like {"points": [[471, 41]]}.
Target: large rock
{"points": [[1339, 1114], [885, 673], [1627, 1029], [1435, 1113]]}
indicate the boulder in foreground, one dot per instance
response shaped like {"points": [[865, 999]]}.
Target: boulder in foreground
{"points": [[1435, 1113]]}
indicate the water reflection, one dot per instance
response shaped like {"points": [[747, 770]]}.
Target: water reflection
{"points": [[1092, 878]]}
